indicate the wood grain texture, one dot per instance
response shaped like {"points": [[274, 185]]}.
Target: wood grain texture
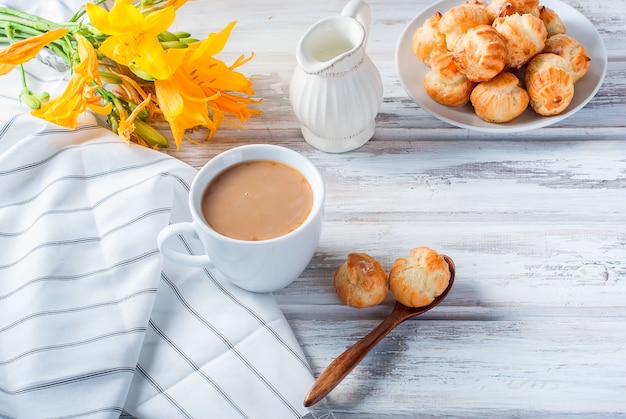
{"points": [[535, 222]]}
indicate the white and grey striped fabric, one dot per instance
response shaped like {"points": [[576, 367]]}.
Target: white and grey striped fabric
{"points": [[93, 321]]}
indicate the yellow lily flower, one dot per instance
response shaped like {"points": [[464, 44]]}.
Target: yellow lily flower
{"points": [[183, 104], [203, 88], [25, 50], [80, 93], [214, 77], [133, 37], [226, 81], [155, 72]]}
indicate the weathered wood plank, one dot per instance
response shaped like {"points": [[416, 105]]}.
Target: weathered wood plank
{"points": [[477, 368], [535, 222]]}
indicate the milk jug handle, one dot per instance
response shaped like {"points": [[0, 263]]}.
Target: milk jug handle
{"points": [[359, 10]]}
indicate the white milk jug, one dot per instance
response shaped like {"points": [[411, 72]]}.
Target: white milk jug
{"points": [[336, 90]]}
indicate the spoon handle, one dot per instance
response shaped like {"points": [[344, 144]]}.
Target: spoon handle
{"points": [[337, 370]]}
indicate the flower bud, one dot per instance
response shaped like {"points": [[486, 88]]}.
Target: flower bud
{"points": [[182, 35], [115, 124], [137, 71], [29, 99], [111, 78], [173, 44], [43, 97], [149, 134], [189, 40], [167, 36]]}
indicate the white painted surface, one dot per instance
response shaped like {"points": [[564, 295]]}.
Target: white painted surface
{"points": [[536, 223]]}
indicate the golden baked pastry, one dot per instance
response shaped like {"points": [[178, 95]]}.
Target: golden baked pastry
{"points": [[361, 281], [480, 53], [550, 83], [427, 41], [445, 84], [552, 21], [417, 280], [525, 36], [572, 50], [501, 8], [459, 19], [500, 99]]}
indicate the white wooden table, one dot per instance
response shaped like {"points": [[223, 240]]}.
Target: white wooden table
{"points": [[535, 221]]}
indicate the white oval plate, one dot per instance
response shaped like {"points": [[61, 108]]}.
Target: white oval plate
{"points": [[412, 71]]}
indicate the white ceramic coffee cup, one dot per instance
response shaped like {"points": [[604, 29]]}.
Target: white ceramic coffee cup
{"points": [[259, 266]]}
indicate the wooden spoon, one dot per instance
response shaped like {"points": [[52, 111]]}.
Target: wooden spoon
{"points": [[344, 363]]}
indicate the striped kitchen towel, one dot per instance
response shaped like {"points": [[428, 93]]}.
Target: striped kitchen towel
{"points": [[93, 321]]}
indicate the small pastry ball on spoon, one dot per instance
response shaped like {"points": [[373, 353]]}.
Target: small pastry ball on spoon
{"points": [[361, 281], [417, 280]]}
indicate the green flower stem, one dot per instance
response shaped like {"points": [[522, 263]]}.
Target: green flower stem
{"points": [[23, 75], [19, 29], [26, 93], [62, 51], [81, 12], [26, 19]]}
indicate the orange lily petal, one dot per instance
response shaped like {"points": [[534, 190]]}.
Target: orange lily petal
{"points": [[99, 18], [118, 48], [152, 59], [120, 20], [214, 43], [80, 93], [124, 17], [170, 99], [25, 50], [159, 21], [101, 109], [127, 127], [6, 68]]}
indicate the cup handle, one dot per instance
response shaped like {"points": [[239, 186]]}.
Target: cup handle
{"points": [[359, 10], [178, 257]]}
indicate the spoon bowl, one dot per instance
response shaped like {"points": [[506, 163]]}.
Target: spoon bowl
{"points": [[337, 370]]}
